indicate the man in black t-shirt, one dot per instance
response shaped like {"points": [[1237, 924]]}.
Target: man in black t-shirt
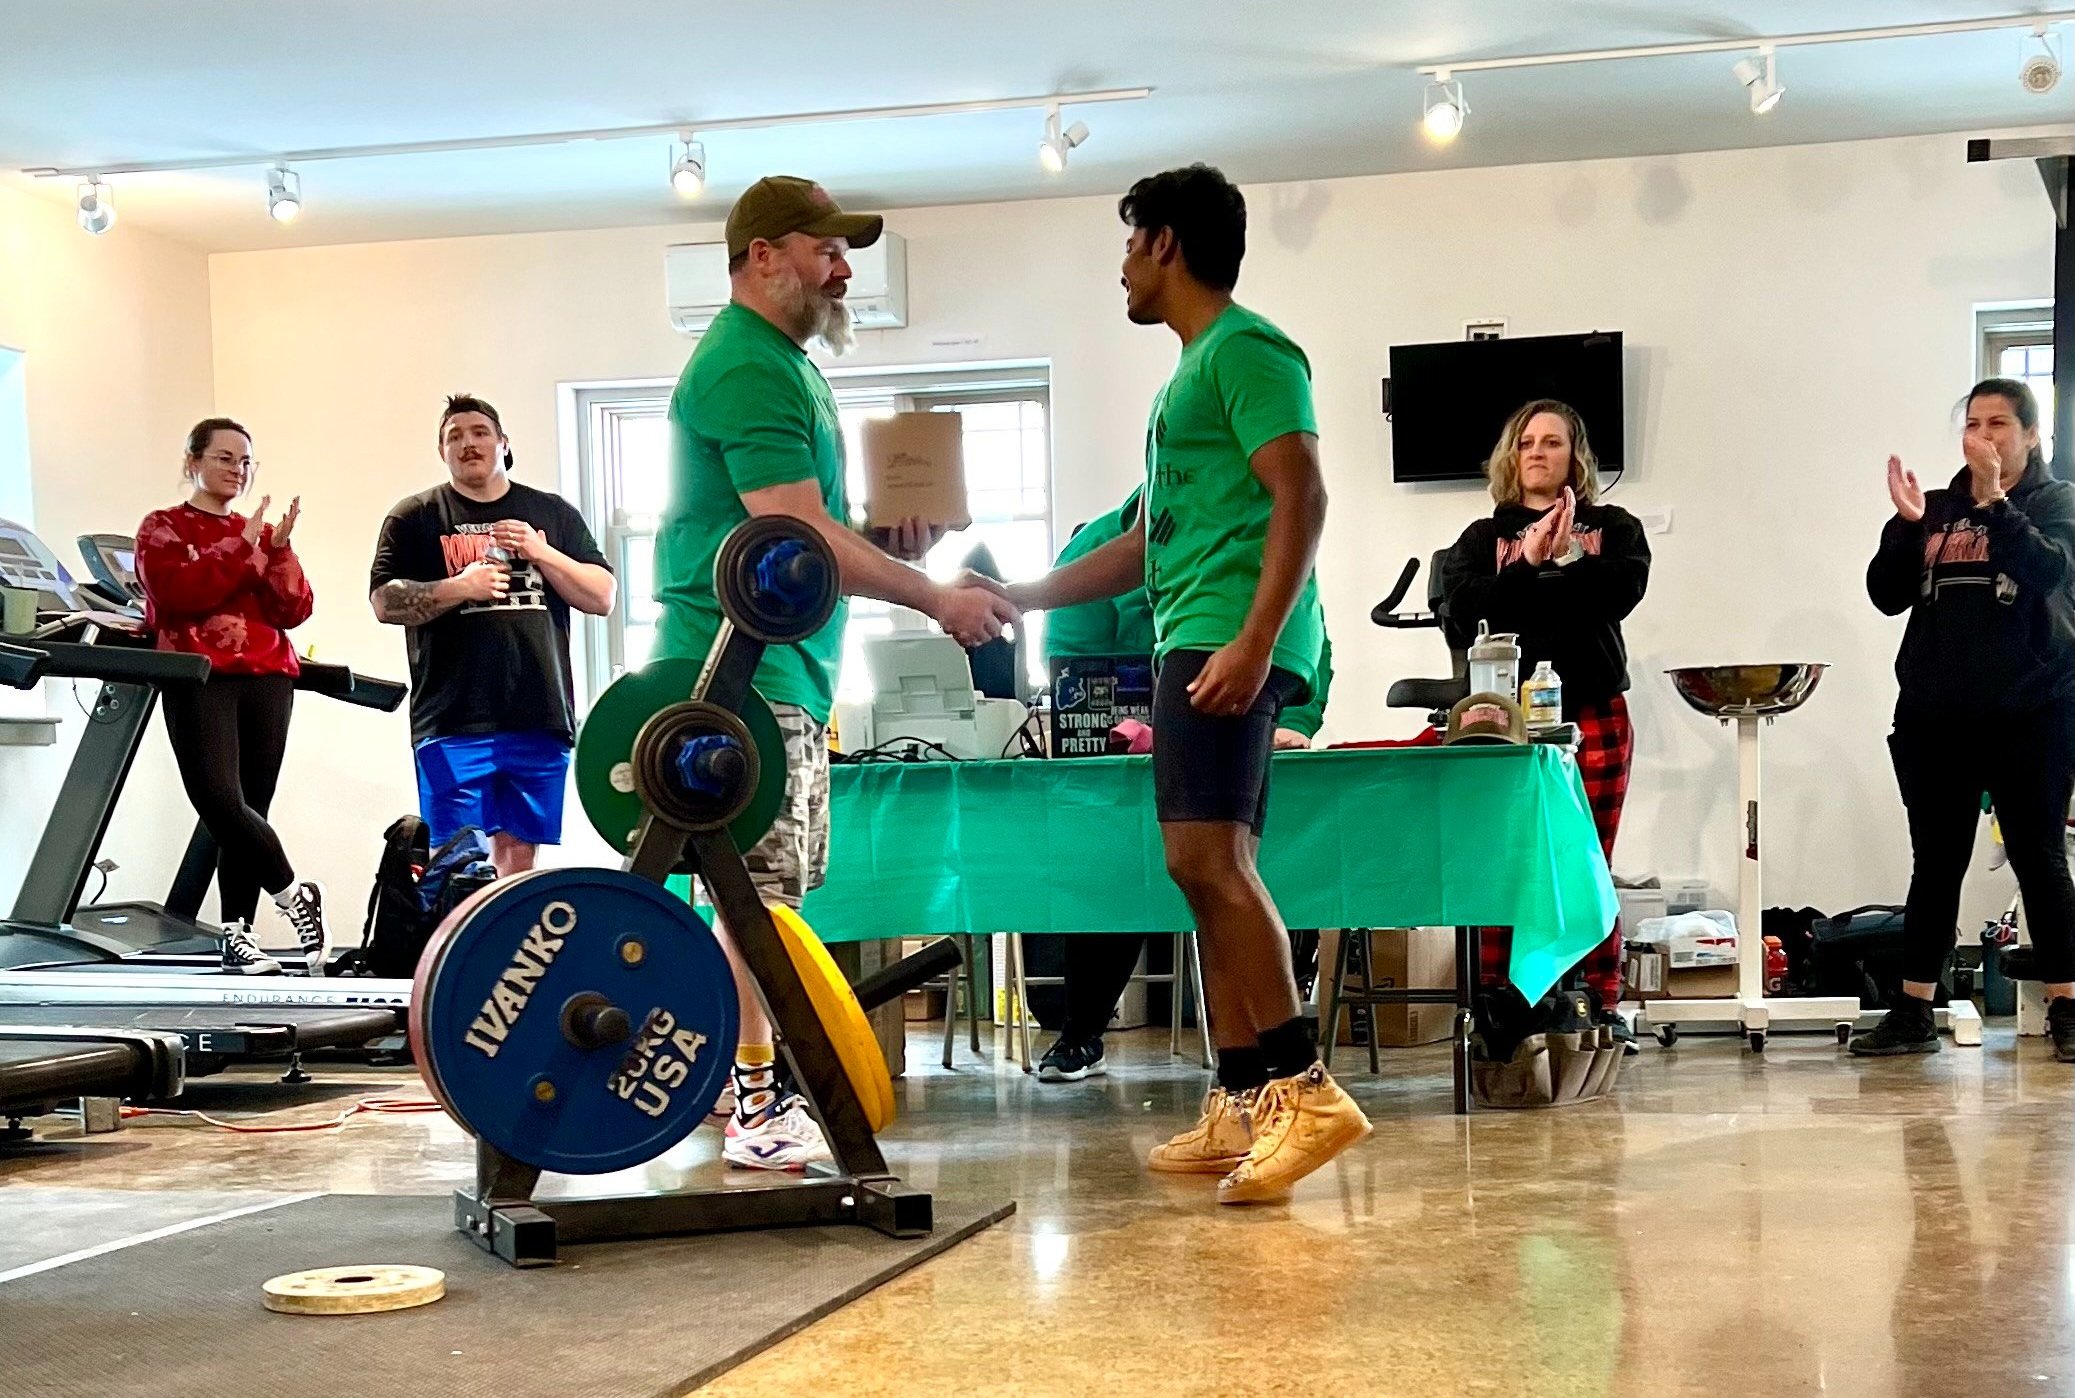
{"points": [[482, 574]]}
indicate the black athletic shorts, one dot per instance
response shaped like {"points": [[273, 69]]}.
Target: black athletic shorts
{"points": [[1213, 766]]}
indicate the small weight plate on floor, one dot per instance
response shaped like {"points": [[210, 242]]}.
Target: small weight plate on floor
{"points": [[605, 753], [354, 1290], [835, 1003], [579, 1020]]}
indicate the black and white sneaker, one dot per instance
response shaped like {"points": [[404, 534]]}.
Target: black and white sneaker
{"points": [[1910, 1027], [242, 956], [1065, 1062], [302, 904]]}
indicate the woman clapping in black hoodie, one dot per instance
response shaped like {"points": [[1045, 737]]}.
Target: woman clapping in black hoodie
{"points": [[1986, 570], [1561, 569]]}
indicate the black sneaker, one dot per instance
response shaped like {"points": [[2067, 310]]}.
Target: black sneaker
{"points": [[303, 907], [1908, 1028], [1623, 1035], [2060, 1027], [241, 954], [1070, 1062]]}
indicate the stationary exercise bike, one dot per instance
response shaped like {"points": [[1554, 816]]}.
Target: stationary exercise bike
{"points": [[1436, 696]]}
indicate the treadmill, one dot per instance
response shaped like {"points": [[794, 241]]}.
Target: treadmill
{"points": [[60, 975], [42, 1068]]}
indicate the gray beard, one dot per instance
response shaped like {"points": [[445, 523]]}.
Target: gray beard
{"points": [[815, 316]]}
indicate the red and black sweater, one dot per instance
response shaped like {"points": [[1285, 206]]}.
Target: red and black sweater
{"points": [[208, 592]]}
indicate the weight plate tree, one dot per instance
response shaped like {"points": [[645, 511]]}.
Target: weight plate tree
{"points": [[583, 1020]]}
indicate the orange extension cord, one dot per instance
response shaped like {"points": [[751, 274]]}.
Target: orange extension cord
{"points": [[381, 1105]]}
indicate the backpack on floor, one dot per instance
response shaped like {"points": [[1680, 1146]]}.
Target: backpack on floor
{"points": [[1860, 953], [415, 888], [456, 869]]}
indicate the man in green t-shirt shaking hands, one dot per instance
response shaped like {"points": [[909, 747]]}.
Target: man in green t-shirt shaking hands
{"points": [[1234, 507], [753, 430]]}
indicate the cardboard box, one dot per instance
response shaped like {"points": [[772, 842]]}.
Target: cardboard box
{"points": [[1647, 974], [915, 469], [1412, 959]]}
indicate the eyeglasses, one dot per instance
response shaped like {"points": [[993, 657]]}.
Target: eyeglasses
{"points": [[224, 458]]}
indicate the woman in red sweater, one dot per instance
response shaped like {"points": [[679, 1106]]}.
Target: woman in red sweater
{"points": [[219, 585]]}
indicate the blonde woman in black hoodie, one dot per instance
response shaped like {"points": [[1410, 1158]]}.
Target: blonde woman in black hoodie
{"points": [[1561, 570], [1986, 570]]}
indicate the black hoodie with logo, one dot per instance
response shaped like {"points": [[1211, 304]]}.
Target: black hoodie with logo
{"points": [[1990, 595], [1568, 614]]}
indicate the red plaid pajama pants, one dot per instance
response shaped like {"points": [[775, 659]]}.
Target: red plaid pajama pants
{"points": [[1606, 743]]}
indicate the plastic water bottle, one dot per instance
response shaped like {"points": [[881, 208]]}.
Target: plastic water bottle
{"points": [[1541, 697]]}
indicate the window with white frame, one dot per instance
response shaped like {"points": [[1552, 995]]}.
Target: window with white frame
{"points": [[2016, 342], [623, 458]]}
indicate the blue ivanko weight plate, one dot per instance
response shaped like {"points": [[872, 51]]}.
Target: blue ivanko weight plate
{"points": [[488, 1018]]}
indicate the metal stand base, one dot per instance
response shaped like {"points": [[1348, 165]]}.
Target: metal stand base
{"points": [[501, 1216], [1756, 1019]]}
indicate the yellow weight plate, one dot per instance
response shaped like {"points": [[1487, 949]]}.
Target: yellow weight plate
{"points": [[354, 1290], [857, 1047]]}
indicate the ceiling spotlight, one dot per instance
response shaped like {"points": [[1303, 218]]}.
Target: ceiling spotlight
{"points": [[1445, 108], [96, 206], [2042, 66], [1762, 80], [284, 194], [1052, 150], [688, 169]]}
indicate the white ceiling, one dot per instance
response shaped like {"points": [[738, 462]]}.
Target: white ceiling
{"points": [[1269, 91]]}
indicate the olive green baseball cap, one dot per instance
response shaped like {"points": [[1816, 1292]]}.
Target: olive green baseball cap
{"points": [[780, 204]]}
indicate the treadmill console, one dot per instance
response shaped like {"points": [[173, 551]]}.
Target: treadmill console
{"points": [[112, 559], [27, 564]]}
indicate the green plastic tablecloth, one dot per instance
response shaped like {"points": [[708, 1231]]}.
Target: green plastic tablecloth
{"points": [[1389, 837]]}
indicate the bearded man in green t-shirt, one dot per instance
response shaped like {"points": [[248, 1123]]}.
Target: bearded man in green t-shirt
{"points": [[1234, 505], [754, 431]]}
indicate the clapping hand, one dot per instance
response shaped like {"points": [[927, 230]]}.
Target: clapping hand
{"points": [[1904, 491], [258, 522], [1985, 466], [1550, 536], [287, 525]]}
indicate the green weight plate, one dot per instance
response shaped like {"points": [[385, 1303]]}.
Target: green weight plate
{"points": [[605, 751]]}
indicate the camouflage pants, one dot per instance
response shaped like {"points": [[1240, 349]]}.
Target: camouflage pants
{"points": [[793, 857]]}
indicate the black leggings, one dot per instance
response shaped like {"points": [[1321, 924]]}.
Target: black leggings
{"points": [[2026, 763], [229, 736]]}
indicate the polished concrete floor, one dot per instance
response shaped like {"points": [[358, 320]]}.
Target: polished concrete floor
{"points": [[1796, 1223]]}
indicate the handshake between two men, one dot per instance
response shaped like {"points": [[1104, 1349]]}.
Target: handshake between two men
{"points": [[973, 609]]}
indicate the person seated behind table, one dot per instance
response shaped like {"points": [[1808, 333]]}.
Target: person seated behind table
{"points": [[1098, 966], [1561, 571]]}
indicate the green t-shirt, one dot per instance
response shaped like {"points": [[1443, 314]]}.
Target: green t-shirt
{"points": [[1310, 716], [750, 411], [1120, 625], [1239, 385]]}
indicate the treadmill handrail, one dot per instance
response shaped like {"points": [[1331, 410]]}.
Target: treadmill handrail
{"points": [[338, 682], [21, 666], [72, 660]]}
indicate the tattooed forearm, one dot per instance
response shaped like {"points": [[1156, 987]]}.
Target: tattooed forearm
{"points": [[406, 602]]}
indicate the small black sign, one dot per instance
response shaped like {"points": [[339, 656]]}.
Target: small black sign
{"points": [[1091, 694]]}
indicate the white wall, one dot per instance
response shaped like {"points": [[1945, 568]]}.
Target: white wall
{"points": [[114, 334], [1793, 316]]}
